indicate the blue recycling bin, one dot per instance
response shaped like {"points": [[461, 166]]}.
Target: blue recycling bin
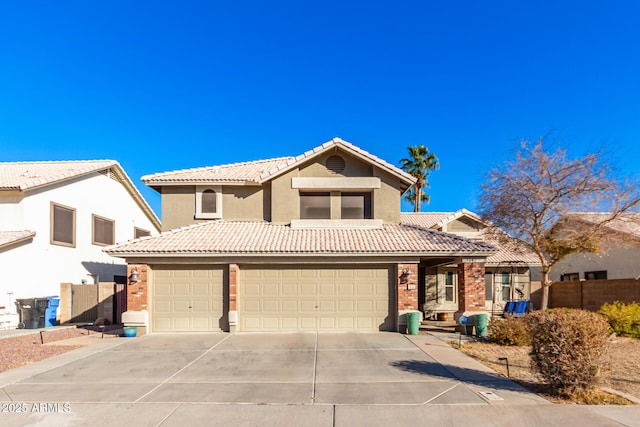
{"points": [[50, 313]]}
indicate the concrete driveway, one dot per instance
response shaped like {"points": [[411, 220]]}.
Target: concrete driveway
{"points": [[262, 379]]}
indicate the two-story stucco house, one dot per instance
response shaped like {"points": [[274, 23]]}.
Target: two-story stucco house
{"points": [[313, 242], [55, 220], [508, 272]]}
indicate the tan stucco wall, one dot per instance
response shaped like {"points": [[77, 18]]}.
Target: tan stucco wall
{"points": [[353, 167], [243, 204], [178, 207], [386, 199], [285, 201], [277, 201]]}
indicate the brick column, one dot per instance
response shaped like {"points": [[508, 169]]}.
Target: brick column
{"points": [[233, 293], [407, 287], [137, 293], [407, 292], [471, 286]]}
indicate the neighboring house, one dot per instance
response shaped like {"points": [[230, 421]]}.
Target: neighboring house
{"points": [[618, 256], [55, 219], [508, 272], [313, 242]]}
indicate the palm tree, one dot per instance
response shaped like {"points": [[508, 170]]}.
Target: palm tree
{"points": [[419, 164]]}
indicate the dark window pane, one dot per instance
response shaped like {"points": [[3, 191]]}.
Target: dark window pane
{"points": [[315, 206], [209, 202], [488, 286], [63, 225], [102, 231], [356, 205]]}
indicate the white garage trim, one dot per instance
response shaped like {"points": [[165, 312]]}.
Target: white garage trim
{"points": [[295, 298]]}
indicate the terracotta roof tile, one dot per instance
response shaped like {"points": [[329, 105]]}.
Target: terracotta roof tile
{"points": [[231, 173], [22, 176], [628, 223], [261, 238], [9, 237], [260, 171], [510, 250]]}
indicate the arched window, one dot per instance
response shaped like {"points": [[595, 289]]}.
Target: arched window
{"points": [[209, 201]]}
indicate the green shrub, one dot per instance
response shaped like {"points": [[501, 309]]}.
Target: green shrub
{"points": [[509, 331], [569, 348], [623, 318]]}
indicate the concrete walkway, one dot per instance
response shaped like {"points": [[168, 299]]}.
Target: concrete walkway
{"points": [[280, 380]]}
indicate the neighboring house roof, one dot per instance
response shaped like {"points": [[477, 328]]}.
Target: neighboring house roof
{"points": [[627, 223], [11, 237], [510, 250], [26, 176], [437, 220], [262, 238], [259, 172]]}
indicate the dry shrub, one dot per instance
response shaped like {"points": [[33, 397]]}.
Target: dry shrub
{"points": [[509, 331], [623, 318], [569, 348]]}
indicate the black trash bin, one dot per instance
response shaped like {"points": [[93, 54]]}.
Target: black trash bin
{"points": [[32, 312]]}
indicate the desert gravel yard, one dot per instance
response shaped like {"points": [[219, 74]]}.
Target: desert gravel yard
{"points": [[22, 350], [622, 374]]}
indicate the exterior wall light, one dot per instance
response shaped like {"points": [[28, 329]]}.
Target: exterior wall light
{"points": [[134, 275]]}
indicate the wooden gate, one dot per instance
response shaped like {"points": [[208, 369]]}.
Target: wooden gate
{"points": [[84, 303]]}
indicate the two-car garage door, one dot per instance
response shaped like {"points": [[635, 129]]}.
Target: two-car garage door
{"points": [[273, 298], [293, 298]]}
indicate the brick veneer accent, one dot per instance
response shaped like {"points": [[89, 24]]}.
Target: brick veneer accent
{"points": [[407, 289], [233, 286], [137, 293], [471, 286]]}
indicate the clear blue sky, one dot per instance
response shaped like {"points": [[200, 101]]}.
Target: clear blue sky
{"points": [[162, 85]]}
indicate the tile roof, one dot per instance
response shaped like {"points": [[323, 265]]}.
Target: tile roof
{"points": [[627, 223], [510, 250], [228, 174], [9, 237], [260, 171], [23, 176], [262, 238]]}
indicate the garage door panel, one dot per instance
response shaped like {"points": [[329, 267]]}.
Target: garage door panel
{"points": [[187, 298], [315, 298]]}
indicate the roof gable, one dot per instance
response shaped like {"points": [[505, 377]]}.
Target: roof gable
{"points": [[260, 171], [437, 220]]}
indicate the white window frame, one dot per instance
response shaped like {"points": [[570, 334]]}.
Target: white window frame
{"points": [[208, 215]]}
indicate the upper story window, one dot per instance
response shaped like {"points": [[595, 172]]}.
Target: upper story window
{"points": [[208, 202], [63, 225], [104, 231], [355, 205], [315, 205], [140, 232]]}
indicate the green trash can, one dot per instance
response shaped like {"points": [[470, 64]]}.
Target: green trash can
{"points": [[481, 321], [413, 322]]}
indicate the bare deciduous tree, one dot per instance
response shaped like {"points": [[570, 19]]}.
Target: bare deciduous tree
{"points": [[532, 196]]}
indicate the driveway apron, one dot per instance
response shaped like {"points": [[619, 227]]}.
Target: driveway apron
{"points": [[248, 368]]}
